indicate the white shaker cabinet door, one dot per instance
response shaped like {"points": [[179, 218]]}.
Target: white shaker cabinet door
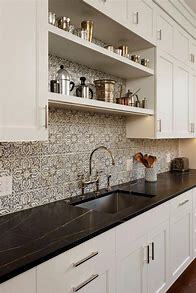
{"points": [[181, 101], [23, 283], [158, 269], [180, 234], [131, 268], [141, 18], [181, 45], [165, 32], [165, 70], [23, 74]]}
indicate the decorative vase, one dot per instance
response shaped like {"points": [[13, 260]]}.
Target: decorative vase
{"points": [[151, 174]]}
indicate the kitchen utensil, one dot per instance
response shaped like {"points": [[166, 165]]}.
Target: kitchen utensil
{"points": [[63, 78], [180, 164], [83, 90], [64, 23], [105, 90], [135, 58], [88, 26], [118, 51], [139, 157], [109, 48], [145, 62], [71, 28], [125, 50], [51, 18], [127, 100], [54, 86]]}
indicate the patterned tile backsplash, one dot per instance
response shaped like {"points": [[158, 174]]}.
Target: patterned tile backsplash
{"points": [[43, 172]]}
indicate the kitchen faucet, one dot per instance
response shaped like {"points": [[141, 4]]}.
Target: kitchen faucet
{"points": [[96, 180]]}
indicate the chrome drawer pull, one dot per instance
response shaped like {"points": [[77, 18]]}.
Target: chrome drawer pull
{"points": [[90, 279], [76, 264], [183, 202]]}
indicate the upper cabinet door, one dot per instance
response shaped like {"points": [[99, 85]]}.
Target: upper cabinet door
{"points": [[165, 32], [192, 54], [165, 70], [23, 74], [181, 45], [141, 18], [181, 101]]}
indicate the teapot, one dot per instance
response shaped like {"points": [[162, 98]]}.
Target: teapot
{"points": [[63, 78], [83, 90]]}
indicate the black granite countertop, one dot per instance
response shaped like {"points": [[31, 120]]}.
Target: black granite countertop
{"points": [[33, 236]]}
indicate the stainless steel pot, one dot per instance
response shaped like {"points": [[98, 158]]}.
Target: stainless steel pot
{"points": [[65, 84]]}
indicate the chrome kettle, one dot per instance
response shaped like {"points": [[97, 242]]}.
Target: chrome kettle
{"points": [[65, 84], [83, 90]]}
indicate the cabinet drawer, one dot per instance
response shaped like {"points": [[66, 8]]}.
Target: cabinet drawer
{"points": [[181, 203], [91, 258]]}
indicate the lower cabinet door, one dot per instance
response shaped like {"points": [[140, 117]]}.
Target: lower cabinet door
{"points": [[23, 283], [131, 268], [158, 268], [194, 222], [180, 239]]}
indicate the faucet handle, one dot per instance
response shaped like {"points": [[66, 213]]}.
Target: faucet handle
{"points": [[108, 182]]}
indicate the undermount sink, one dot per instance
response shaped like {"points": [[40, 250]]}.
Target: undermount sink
{"points": [[111, 203]]}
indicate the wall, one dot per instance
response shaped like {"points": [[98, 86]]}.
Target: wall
{"points": [[47, 171]]}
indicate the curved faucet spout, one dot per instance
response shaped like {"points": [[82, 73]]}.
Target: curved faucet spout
{"points": [[91, 155]]}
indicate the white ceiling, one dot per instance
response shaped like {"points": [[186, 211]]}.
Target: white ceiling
{"points": [[191, 4]]}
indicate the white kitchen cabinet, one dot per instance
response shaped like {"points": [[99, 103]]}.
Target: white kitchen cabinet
{"points": [[142, 263], [23, 75], [181, 100], [192, 54], [158, 268], [165, 31], [181, 45], [180, 234], [87, 268], [22, 283], [194, 222], [192, 103], [165, 84], [141, 18], [131, 267]]}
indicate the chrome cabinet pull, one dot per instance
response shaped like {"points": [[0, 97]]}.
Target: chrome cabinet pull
{"points": [[78, 263], [183, 202], [136, 17], [160, 35], [46, 116], [147, 259], [152, 244], [159, 125], [90, 279], [192, 126]]}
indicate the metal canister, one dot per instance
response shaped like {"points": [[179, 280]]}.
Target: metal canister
{"points": [[105, 90], [88, 26], [135, 58], [64, 23], [51, 18], [125, 50]]}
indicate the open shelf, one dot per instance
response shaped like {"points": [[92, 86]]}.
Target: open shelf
{"points": [[66, 45], [95, 105], [110, 31]]}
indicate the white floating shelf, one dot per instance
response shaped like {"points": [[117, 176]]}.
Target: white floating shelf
{"points": [[95, 105], [69, 46]]}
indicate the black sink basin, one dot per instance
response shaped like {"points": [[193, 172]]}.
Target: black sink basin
{"points": [[111, 203]]}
